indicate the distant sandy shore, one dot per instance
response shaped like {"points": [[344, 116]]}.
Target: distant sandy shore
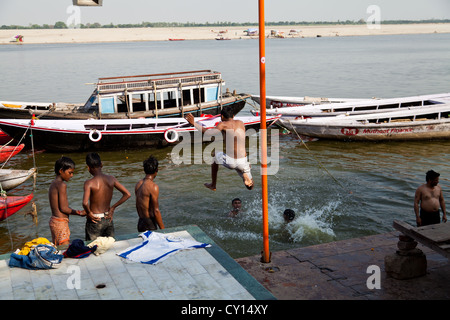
{"points": [[203, 33]]}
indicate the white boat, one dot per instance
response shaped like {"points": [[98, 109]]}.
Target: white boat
{"points": [[432, 122], [274, 102], [112, 134], [11, 178], [363, 106], [150, 96]]}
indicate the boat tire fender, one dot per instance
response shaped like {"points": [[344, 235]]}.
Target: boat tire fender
{"points": [[95, 135], [172, 132]]}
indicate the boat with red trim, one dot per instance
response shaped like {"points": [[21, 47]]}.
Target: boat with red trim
{"points": [[111, 134]]}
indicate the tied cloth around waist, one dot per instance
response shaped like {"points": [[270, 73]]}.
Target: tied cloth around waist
{"points": [[100, 215]]}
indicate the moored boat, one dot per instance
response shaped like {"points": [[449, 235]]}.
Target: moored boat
{"points": [[149, 96], [362, 106], [273, 102], [6, 152], [111, 134], [432, 122], [11, 204], [11, 178], [4, 138]]}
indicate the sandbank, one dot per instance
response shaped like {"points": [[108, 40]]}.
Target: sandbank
{"points": [[49, 36]]}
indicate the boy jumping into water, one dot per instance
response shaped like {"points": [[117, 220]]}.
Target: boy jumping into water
{"points": [[57, 196], [98, 192], [235, 130]]}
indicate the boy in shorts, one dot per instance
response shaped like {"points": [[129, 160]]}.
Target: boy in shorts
{"points": [[98, 192], [57, 196]]}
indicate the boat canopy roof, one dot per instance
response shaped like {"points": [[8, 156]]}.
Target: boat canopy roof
{"points": [[157, 81]]}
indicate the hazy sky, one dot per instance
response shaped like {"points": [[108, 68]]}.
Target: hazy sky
{"points": [[25, 12]]}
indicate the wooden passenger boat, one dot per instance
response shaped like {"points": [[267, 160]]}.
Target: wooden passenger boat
{"points": [[287, 102], [362, 106], [109, 134], [142, 96], [426, 123]]}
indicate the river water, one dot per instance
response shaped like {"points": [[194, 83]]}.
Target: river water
{"points": [[339, 190]]}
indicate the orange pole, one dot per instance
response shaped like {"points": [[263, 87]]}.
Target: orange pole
{"points": [[263, 133]]}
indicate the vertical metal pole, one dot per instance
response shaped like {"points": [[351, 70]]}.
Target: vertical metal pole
{"points": [[263, 133]]}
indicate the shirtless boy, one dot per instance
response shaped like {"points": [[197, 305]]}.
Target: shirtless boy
{"points": [[57, 196], [98, 193], [147, 194], [235, 130], [428, 199]]}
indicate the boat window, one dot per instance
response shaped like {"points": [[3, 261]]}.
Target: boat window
{"points": [[118, 127], [138, 102], [123, 103], [151, 101], [388, 106], [170, 100], [199, 95], [143, 126], [186, 97], [94, 126]]}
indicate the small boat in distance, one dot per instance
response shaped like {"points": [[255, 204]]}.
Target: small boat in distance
{"points": [[142, 96], [109, 134], [11, 204]]}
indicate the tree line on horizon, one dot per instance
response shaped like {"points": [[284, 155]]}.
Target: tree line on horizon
{"points": [[63, 25]]}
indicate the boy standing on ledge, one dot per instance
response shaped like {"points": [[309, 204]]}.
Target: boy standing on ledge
{"points": [[98, 192], [57, 196]]}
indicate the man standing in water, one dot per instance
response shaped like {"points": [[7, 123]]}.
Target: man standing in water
{"points": [[428, 199], [233, 131]]}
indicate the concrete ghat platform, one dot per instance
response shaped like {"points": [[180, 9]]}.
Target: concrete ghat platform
{"points": [[339, 271], [198, 274]]}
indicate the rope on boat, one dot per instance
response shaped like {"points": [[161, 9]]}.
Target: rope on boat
{"points": [[3, 194], [320, 164]]}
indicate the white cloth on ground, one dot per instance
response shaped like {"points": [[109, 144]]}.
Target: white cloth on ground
{"points": [[157, 247], [102, 243]]}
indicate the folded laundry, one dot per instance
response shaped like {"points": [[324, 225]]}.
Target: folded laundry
{"points": [[77, 249], [157, 247]]}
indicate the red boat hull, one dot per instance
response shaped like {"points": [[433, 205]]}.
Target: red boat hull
{"points": [[9, 151], [12, 204], [4, 138]]}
